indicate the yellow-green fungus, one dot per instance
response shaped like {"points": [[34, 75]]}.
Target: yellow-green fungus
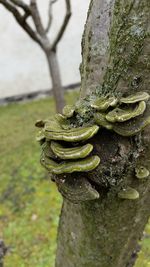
{"points": [[83, 165], [72, 152], [103, 103], [121, 115], [68, 111], [52, 125], [76, 190], [128, 193], [139, 96], [40, 136], [131, 127], [62, 120], [72, 135], [100, 120], [46, 147], [141, 172]]}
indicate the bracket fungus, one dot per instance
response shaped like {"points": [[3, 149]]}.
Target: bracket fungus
{"points": [[141, 172], [68, 111], [40, 137], [63, 154], [126, 116], [139, 96], [100, 119], [71, 152], [52, 125], [66, 152], [76, 189], [72, 135], [62, 121], [131, 127], [121, 115], [47, 151], [128, 193], [83, 165], [104, 102]]}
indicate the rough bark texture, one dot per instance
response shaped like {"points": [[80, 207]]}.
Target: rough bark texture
{"points": [[56, 80], [116, 58]]}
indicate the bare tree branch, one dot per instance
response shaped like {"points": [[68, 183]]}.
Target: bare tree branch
{"points": [[64, 25], [24, 6], [21, 4], [50, 17], [36, 18], [22, 22]]}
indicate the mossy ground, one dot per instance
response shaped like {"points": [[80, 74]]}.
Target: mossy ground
{"points": [[29, 202]]}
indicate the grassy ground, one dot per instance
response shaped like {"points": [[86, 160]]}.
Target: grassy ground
{"points": [[29, 202]]}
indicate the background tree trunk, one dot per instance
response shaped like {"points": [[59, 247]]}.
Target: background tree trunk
{"points": [[54, 70], [21, 12], [116, 58]]}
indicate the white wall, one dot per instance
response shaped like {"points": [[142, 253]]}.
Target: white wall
{"points": [[23, 67]]}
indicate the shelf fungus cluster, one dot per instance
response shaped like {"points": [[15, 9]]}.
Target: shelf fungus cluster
{"points": [[126, 116], [66, 149]]}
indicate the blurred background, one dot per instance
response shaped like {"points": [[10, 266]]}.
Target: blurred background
{"points": [[23, 65], [29, 202]]}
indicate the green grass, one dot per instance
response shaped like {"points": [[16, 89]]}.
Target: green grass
{"points": [[29, 202]]}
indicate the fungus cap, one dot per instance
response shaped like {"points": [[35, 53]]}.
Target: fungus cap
{"points": [[132, 127], [68, 111], [72, 135], [128, 193], [121, 115], [47, 151], [103, 103], [72, 152], [141, 172], [83, 165], [139, 96], [40, 136], [76, 189], [100, 119]]}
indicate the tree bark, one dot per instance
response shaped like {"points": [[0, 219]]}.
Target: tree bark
{"points": [[116, 58], [58, 91]]}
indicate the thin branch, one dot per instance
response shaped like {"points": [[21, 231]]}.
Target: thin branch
{"points": [[64, 25], [21, 4], [22, 22], [24, 6], [36, 18], [25, 16], [50, 17]]}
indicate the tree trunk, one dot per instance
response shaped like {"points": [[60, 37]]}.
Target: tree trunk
{"points": [[58, 91], [116, 58]]}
